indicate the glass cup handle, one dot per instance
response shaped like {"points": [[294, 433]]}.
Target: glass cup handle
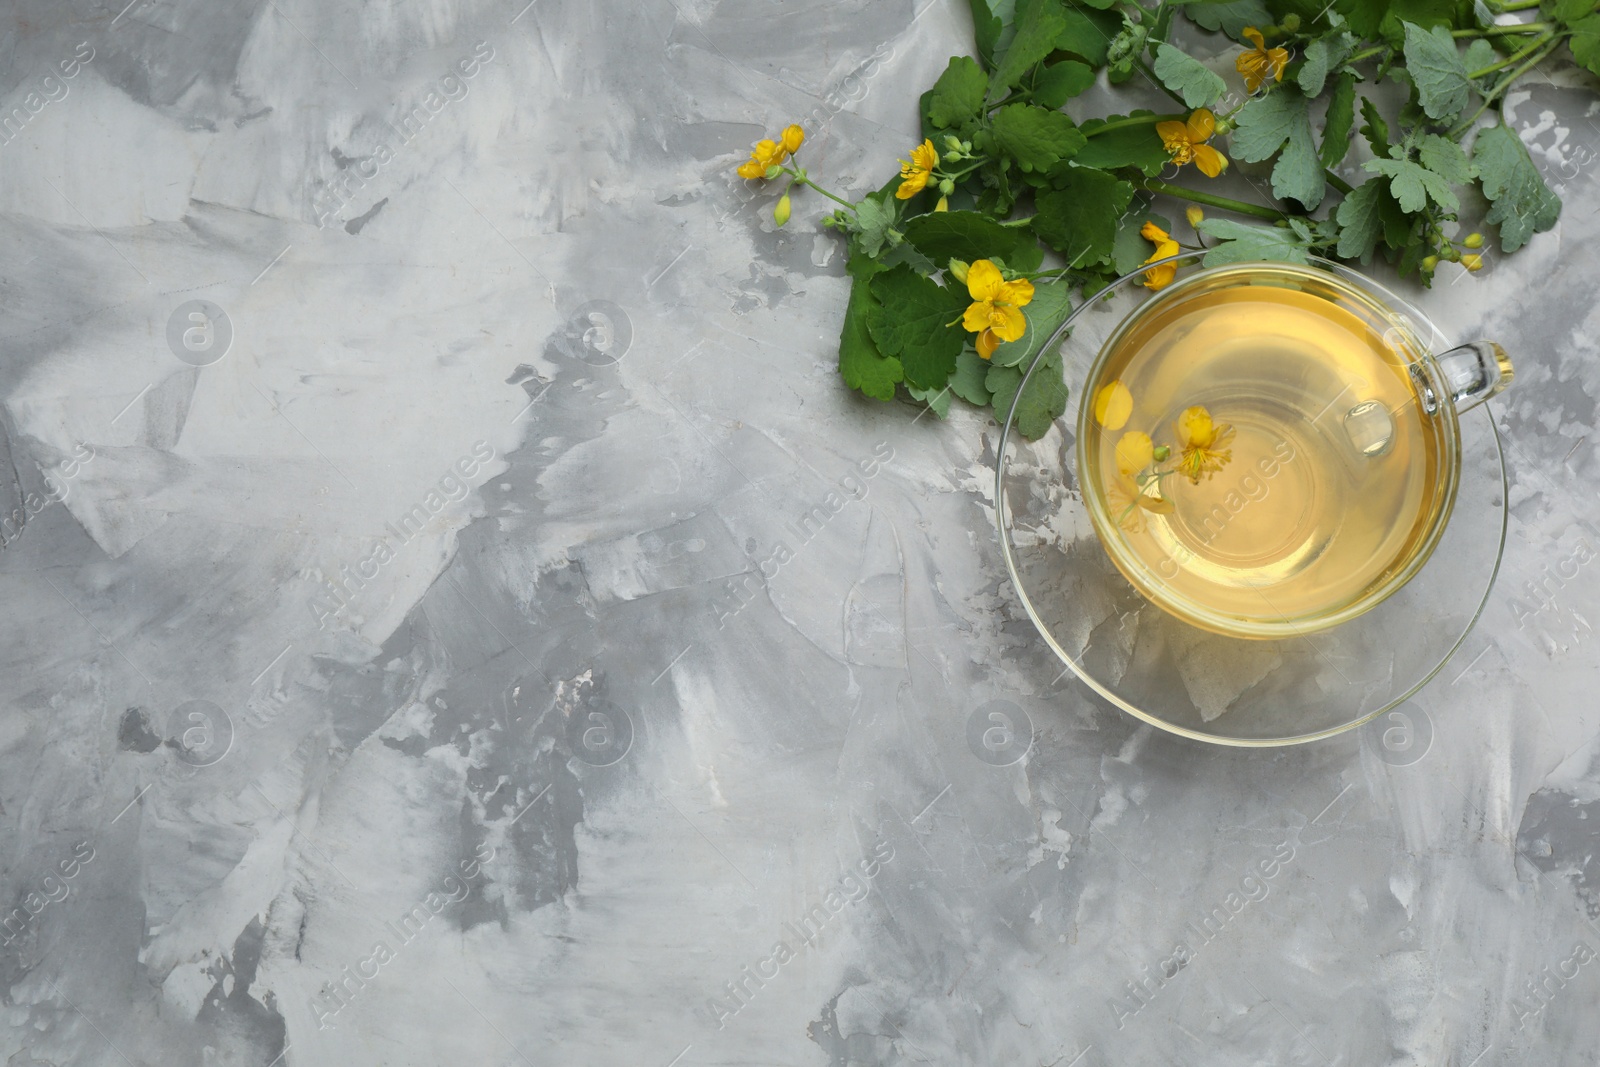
{"points": [[1474, 372]]}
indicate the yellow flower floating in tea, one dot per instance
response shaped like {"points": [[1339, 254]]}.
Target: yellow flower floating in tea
{"points": [[1204, 444], [1186, 142], [1203, 450], [1259, 63], [995, 313]]}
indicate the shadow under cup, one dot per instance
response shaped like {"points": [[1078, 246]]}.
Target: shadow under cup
{"points": [[1317, 578]]}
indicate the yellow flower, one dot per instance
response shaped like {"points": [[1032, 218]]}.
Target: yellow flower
{"points": [[1259, 62], [1112, 405], [995, 314], [1135, 452], [916, 173], [1159, 277], [767, 154], [1186, 142], [1204, 444]]}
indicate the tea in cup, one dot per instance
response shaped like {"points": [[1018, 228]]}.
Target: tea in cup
{"points": [[1267, 450]]}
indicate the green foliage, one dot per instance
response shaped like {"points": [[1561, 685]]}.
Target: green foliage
{"points": [[1187, 77], [1523, 204], [1062, 199]]}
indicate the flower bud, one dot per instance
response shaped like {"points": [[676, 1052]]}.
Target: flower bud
{"points": [[1291, 22], [1194, 215], [952, 144], [958, 270], [946, 186], [943, 204], [1474, 240], [780, 214], [1161, 453], [1430, 263], [1223, 126], [773, 171], [1472, 261]]}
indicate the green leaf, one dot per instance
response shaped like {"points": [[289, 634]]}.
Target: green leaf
{"points": [[1568, 11], [911, 318], [1241, 243], [1413, 185], [876, 218], [1078, 218], [860, 363], [957, 96], [1035, 138], [1188, 77], [1361, 221], [1264, 123], [986, 27], [1059, 82], [1480, 54], [1117, 142], [1341, 116], [1130, 249], [969, 235], [1522, 204], [907, 253], [967, 381], [1041, 404], [1039, 23], [1387, 18], [1230, 18], [1585, 43], [1435, 66], [1298, 173], [936, 399], [1323, 57], [1051, 304], [1088, 34], [1445, 158], [1374, 129]]}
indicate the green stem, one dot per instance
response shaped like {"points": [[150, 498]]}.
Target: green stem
{"points": [[1496, 31], [1503, 84], [1155, 185], [965, 171], [1518, 5], [1338, 183], [1133, 120], [1512, 58], [800, 179], [1368, 53]]}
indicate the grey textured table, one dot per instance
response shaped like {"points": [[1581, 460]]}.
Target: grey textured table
{"points": [[402, 666]]}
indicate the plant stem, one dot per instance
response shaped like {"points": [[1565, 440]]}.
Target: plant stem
{"points": [[802, 180], [1505, 83], [1518, 5], [1155, 185], [1338, 183], [1133, 120], [965, 171], [1151, 75], [1496, 31], [1368, 53], [1512, 58]]}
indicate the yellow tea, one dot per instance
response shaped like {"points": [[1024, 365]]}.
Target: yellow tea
{"points": [[1292, 467]]}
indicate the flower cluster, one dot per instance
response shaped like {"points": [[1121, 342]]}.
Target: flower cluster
{"points": [[1202, 451]]}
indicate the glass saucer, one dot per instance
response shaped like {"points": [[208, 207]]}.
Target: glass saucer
{"points": [[1209, 686]]}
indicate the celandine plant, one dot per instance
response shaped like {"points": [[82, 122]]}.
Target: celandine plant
{"points": [[950, 288]]}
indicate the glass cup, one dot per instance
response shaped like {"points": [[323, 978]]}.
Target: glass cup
{"points": [[1254, 678], [1268, 450]]}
